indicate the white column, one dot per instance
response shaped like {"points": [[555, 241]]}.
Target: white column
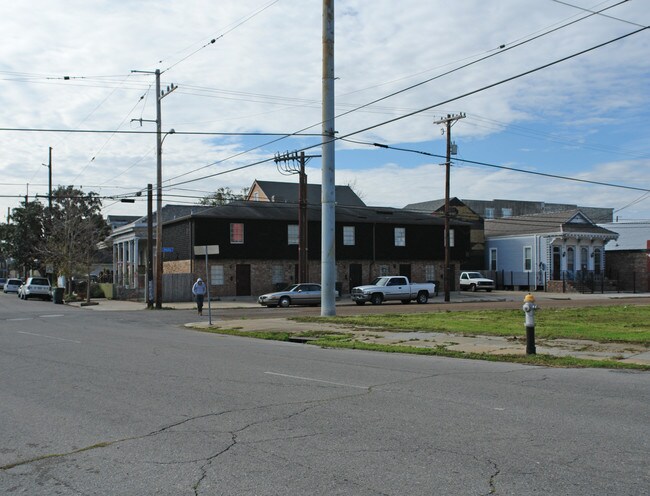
{"points": [[124, 281], [115, 264], [136, 262]]}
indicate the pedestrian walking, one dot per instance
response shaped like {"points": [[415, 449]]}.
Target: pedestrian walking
{"points": [[199, 289]]}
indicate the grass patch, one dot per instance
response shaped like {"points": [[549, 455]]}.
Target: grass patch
{"points": [[543, 360], [333, 339], [619, 324]]}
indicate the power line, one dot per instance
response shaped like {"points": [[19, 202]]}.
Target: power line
{"points": [[503, 167]]}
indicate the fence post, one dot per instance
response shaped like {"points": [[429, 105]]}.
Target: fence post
{"points": [[634, 281], [564, 281]]}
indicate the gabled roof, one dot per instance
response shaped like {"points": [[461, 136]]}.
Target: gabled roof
{"points": [[552, 223], [280, 192], [632, 235]]}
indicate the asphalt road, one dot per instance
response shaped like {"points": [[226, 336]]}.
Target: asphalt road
{"points": [[126, 403]]}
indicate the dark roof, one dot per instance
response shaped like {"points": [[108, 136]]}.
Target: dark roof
{"points": [[288, 193], [243, 210], [570, 221]]}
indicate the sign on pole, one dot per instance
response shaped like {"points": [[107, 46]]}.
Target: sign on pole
{"points": [[206, 250]]}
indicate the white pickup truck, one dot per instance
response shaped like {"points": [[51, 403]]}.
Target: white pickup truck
{"points": [[392, 288], [475, 281]]}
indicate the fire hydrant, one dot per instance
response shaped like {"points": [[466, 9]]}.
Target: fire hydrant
{"points": [[529, 311]]}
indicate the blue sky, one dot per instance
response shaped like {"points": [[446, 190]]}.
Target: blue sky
{"points": [[584, 118]]}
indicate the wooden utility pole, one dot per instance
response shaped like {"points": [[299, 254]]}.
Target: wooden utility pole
{"points": [[449, 121], [303, 251]]}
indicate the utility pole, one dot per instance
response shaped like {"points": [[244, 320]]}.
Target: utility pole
{"points": [[159, 139], [302, 159], [328, 192], [150, 294], [449, 121], [49, 194]]}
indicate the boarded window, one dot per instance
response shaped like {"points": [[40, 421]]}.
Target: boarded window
{"points": [[277, 274], [400, 236], [292, 234], [348, 235], [237, 233], [216, 275]]}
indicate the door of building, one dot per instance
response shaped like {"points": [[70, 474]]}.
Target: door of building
{"points": [[557, 275], [354, 277], [405, 270], [243, 280]]}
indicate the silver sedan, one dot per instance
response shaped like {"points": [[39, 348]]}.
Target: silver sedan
{"points": [[296, 294]]}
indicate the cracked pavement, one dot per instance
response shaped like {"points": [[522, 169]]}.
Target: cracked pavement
{"points": [[96, 404]]}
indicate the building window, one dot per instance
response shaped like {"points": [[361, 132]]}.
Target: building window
{"points": [[493, 259], [216, 275], [506, 212], [598, 260], [277, 274], [584, 258], [384, 270], [570, 259], [237, 234], [292, 234], [452, 238], [348, 235], [400, 236], [256, 196], [430, 272], [489, 213], [528, 258]]}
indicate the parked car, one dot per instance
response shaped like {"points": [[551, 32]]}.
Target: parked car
{"points": [[12, 285], [475, 281], [295, 294], [38, 287], [393, 288]]}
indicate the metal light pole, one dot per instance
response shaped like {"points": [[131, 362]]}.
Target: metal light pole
{"points": [[328, 191]]}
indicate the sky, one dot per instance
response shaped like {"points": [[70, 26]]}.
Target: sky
{"points": [[555, 98]]}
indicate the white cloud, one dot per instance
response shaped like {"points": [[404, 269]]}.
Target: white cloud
{"points": [[264, 74]]}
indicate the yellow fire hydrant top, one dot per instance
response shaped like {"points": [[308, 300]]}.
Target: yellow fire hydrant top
{"points": [[529, 298]]}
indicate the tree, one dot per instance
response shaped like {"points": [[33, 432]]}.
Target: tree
{"points": [[75, 227], [223, 196], [23, 239]]}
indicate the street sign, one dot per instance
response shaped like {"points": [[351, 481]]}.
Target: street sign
{"points": [[206, 250]]}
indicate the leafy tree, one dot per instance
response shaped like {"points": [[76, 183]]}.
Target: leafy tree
{"points": [[223, 196], [23, 239], [75, 227]]}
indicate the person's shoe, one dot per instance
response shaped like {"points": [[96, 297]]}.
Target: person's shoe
{"points": [[200, 312]]}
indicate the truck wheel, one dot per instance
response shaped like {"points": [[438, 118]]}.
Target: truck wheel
{"points": [[472, 288], [376, 299], [284, 302], [422, 297], [406, 302], [360, 302]]}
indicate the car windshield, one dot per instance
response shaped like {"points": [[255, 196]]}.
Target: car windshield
{"points": [[291, 287], [475, 275], [379, 281], [40, 281]]}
